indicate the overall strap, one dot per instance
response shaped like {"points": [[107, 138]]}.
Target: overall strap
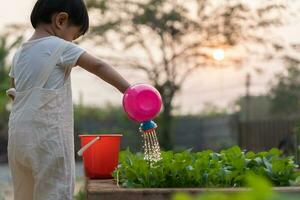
{"points": [[50, 64]]}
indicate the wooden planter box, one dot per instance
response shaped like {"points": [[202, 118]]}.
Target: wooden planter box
{"points": [[108, 190]]}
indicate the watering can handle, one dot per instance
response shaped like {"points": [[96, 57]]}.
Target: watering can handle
{"points": [[85, 147]]}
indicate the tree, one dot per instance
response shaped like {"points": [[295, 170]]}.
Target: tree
{"points": [[7, 44], [285, 92], [175, 38], [254, 108], [212, 110]]}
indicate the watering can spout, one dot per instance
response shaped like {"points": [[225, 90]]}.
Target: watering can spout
{"points": [[148, 126]]}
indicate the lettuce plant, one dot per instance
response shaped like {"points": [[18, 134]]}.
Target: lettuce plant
{"points": [[227, 168]]}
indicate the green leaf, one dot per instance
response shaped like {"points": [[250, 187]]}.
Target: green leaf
{"points": [[229, 168]]}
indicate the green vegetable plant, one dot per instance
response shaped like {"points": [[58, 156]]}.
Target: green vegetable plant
{"points": [[81, 195], [259, 189], [227, 168]]}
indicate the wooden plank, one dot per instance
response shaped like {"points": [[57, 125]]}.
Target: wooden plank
{"points": [[108, 190]]}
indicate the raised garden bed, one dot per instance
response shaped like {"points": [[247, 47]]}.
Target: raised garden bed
{"points": [[108, 190], [193, 173]]}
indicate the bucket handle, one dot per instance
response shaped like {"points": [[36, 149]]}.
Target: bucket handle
{"points": [[85, 147]]}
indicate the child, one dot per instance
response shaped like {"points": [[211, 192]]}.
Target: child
{"points": [[41, 140]]}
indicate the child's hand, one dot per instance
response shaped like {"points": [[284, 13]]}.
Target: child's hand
{"points": [[11, 93]]}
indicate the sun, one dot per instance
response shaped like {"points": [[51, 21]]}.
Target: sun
{"points": [[218, 54]]}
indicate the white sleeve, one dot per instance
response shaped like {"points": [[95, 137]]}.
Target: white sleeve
{"points": [[11, 71], [70, 56]]}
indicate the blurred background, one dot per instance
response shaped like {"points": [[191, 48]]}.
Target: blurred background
{"points": [[228, 71]]}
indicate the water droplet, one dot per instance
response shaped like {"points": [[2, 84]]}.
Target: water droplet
{"points": [[151, 146]]}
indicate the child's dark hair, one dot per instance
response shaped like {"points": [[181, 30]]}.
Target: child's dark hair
{"points": [[76, 9]]}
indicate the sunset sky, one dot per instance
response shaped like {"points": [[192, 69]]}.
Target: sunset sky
{"points": [[220, 86]]}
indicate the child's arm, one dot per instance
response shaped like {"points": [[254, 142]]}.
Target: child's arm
{"points": [[11, 92], [103, 70]]}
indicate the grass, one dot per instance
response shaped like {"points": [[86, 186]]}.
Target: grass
{"points": [[81, 195]]}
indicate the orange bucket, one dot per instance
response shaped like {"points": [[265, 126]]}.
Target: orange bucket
{"points": [[102, 157]]}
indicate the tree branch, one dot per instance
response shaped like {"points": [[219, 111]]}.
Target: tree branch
{"points": [[142, 43], [189, 71], [164, 55], [182, 52]]}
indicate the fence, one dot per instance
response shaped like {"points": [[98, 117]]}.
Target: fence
{"points": [[266, 134], [197, 133], [205, 133]]}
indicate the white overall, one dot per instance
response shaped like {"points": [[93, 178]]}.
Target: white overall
{"points": [[41, 140]]}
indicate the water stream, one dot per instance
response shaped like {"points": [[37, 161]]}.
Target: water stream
{"points": [[151, 146]]}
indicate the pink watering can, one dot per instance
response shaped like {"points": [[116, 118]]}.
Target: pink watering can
{"points": [[142, 102]]}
